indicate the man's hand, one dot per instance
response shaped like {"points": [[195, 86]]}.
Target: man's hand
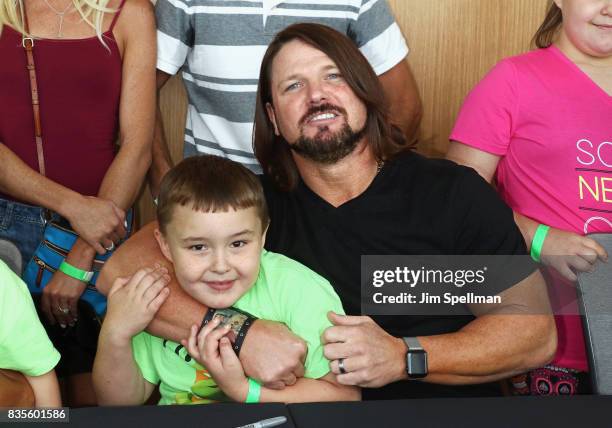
{"points": [[569, 252], [99, 222], [272, 354], [372, 357]]}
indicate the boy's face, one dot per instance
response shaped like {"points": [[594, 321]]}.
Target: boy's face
{"points": [[215, 255]]}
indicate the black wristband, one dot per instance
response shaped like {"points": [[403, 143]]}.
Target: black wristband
{"points": [[239, 321]]}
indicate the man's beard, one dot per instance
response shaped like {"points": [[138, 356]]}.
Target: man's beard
{"points": [[328, 149]]}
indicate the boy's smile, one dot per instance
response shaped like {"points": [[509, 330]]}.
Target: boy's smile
{"points": [[216, 255]]}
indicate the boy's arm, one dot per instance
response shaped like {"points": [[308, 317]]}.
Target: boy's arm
{"points": [[175, 318], [311, 390], [132, 304], [211, 348], [46, 390], [116, 377]]}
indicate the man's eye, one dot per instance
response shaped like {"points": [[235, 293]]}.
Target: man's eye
{"points": [[238, 244], [293, 86]]}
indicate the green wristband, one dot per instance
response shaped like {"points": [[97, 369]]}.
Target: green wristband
{"points": [[76, 273], [538, 241], [254, 391]]}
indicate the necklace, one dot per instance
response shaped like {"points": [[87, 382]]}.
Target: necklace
{"points": [[60, 15]]}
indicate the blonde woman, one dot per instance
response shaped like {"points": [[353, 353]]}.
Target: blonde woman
{"points": [[95, 72]]}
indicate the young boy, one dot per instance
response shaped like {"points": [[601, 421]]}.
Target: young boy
{"points": [[212, 225], [24, 347]]}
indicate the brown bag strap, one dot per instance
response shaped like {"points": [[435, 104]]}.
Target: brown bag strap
{"points": [[28, 45]]}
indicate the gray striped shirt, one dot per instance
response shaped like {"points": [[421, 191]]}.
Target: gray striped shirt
{"points": [[219, 44]]}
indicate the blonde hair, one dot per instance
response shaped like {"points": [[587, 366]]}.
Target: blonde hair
{"points": [[92, 12]]}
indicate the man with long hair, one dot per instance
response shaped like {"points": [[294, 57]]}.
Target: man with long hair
{"points": [[340, 184], [218, 47]]}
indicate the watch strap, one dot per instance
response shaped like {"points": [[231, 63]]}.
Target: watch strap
{"points": [[239, 321], [413, 344]]}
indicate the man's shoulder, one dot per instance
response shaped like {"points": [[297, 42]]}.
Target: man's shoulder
{"points": [[415, 169]]}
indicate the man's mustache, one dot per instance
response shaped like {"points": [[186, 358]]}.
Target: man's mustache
{"points": [[321, 109]]}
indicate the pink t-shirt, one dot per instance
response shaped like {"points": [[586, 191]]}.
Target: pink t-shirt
{"points": [[552, 126]]}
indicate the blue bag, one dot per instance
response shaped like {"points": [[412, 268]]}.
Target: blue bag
{"points": [[58, 239]]}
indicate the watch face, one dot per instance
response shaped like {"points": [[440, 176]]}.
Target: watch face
{"points": [[416, 364]]}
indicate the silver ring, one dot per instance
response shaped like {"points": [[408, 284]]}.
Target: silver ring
{"points": [[341, 366], [63, 310], [111, 247]]}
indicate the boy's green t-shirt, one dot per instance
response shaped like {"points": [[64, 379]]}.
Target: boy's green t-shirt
{"points": [[24, 344], [285, 291]]}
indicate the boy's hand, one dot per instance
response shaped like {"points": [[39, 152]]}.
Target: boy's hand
{"points": [[133, 302], [213, 350]]}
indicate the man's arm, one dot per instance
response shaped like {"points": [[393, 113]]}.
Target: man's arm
{"points": [[403, 97], [511, 338], [270, 352], [211, 348], [162, 162]]}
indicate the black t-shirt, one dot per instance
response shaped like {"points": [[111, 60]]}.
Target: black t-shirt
{"points": [[414, 205]]}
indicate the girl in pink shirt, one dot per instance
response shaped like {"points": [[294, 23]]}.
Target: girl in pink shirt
{"points": [[541, 125]]}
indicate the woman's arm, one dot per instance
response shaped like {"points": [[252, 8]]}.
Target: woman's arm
{"points": [[122, 181], [484, 163], [92, 218], [136, 28], [567, 252]]}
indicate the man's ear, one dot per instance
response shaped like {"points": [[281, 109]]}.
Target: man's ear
{"points": [[163, 245], [272, 117]]}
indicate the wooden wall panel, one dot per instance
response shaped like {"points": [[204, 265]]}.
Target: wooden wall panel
{"points": [[174, 108], [453, 44]]}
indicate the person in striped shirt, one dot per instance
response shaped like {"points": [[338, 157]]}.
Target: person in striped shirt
{"points": [[219, 45]]}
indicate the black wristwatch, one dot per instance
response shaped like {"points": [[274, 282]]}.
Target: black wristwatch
{"points": [[416, 359]]}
